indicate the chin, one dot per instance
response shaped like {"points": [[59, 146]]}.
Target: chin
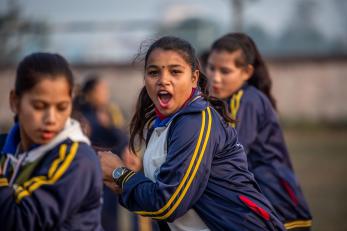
{"points": [[165, 112], [42, 141], [216, 95], [168, 111]]}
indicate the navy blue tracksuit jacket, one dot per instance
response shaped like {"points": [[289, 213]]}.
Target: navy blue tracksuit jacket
{"points": [[260, 134], [206, 170], [60, 191]]}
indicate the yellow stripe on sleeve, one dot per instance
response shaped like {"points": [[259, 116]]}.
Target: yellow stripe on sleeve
{"points": [[177, 203], [62, 153], [18, 189], [298, 224], [22, 191], [173, 197], [127, 178], [3, 182], [52, 169], [235, 105], [36, 182]]}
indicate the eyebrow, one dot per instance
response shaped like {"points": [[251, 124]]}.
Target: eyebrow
{"points": [[171, 66], [47, 101]]}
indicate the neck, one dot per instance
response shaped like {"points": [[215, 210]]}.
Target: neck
{"points": [[25, 142]]}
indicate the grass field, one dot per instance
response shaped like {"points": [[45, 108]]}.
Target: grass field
{"points": [[320, 161]]}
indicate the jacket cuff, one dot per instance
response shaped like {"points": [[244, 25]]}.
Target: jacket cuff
{"points": [[3, 181], [124, 178]]}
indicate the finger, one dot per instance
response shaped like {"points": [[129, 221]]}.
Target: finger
{"points": [[112, 185]]}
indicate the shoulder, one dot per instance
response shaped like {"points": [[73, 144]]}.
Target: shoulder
{"points": [[252, 94], [80, 155], [254, 98], [192, 119], [194, 123]]}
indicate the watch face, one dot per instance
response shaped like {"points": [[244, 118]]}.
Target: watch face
{"points": [[118, 172]]}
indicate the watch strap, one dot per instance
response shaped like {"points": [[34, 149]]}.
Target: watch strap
{"points": [[125, 177]]}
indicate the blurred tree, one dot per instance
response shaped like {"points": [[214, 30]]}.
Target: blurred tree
{"points": [[18, 34], [198, 31], [263, 39], [303, 36], [341, 42], [237, 7]]}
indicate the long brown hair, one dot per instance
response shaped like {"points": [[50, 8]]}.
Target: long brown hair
{"points": [[250, 55], [145, 113]]}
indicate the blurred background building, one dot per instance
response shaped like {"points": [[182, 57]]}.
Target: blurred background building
{"points": [[304, 42]]}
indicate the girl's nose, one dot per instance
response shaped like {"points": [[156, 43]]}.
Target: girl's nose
{"points": [[164, 78], [215, 76], [51, 116]]}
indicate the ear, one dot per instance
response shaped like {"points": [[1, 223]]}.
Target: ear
{"points": [[249, 70], [14, 102], [195, 77]]}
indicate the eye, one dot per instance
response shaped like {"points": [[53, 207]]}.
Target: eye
{"points": [[211, 67], [176, 72], [225, 71], [152, 73], [63, 106], [39, 105]]}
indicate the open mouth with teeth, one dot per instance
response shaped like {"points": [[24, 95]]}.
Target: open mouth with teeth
{"points": [[164, 98]]}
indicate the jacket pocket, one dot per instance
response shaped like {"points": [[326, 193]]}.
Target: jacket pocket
{"points": [[291, 193], [254, 207]]}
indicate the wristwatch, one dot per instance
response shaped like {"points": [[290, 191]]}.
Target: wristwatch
{"points": [[119, 174]]}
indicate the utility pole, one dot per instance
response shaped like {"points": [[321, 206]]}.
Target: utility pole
{"points": [[237, 15]]}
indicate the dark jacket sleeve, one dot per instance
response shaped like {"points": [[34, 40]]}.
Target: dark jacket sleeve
{"points": [[44, 202], [183, 176], [248, 118]]}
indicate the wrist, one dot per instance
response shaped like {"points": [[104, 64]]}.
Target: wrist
{"points": [[120, 175]]}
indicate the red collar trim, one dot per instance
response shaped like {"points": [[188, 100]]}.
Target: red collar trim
{"points": [[162, 117]]}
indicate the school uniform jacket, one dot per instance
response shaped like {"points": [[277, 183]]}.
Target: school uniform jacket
{"points": [[56, 186], [195, 167], [261, 135]]}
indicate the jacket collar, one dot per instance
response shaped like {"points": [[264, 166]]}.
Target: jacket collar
{"points": [[72, 130]]}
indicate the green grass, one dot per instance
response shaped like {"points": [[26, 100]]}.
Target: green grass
{"points": [[320, 157]]}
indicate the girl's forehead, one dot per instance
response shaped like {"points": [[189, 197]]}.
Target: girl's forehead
{"points": [[225, 53], [162, 57], [59, 87], [224, 56]]}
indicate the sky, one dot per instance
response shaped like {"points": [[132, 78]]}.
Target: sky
{"points": [[120, 43]]}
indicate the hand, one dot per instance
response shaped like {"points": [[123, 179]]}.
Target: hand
{"points": [[113, 186], [131, 161], [104, 118], [109, 161]]}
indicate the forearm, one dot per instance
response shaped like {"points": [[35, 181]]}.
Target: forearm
{"points": [[16, 216]]}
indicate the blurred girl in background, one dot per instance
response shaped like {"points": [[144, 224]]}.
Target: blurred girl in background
{"points": [[50, 178], [103, 124], [238, 75]]}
